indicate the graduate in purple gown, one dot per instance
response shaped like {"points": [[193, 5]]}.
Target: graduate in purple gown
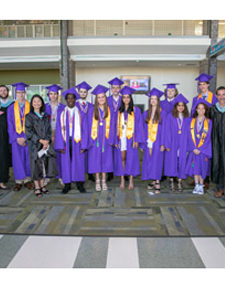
{"points": [[83, 106], [52, 108], [199, 145], [153, 147], [175, 142], [101, 137], [114, 102], [129, 133], [170, 93], [204, 92], [16, 129], [71, 139]]}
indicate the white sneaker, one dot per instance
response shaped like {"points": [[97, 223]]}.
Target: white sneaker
{"points": [[61, 182], [200, 190], [196, 189]]}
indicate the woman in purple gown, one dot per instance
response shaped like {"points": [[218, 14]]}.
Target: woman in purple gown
{"points": [[175, 143], [101, 137], [129, 133], [153, 147], [199, 145]]}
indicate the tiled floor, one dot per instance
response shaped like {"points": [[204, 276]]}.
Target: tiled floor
{"points": [[18, 251]]}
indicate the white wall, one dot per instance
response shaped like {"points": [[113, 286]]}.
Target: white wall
{"points": [[221, 76], [159, 75]]}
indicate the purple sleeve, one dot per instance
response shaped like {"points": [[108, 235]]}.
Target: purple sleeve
{"points": [[112, 128], [206, 148], [163, 122], [139, 130], [11, 125], [59, 142], [84, 132], [167, 129]]}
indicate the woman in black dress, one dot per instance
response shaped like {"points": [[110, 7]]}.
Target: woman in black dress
{"points": [[42, 154]]}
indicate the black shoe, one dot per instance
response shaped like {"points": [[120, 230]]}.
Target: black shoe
{"points": [[66, 188], [81, 187], [110, 176], [126, 178], [91, 177]]}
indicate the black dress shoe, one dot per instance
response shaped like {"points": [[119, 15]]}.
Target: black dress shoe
{"points": [[66, 188], [91, 177], [110, 176], [81, 188]]}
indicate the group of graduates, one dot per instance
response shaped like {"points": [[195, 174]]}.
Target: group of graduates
{"points": [[66, 141]]}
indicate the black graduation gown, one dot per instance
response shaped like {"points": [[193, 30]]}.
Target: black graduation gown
{"points": [[5, 147], [35, 129], [218, 145]]}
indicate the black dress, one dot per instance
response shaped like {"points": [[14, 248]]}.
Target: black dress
{"points": [[218, 145], [37, 128], [5, 147]]}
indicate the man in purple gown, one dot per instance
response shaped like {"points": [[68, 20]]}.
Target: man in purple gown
{"points": [[170, 93], [83, 106], [16, 129], [53, 108], [71, 139]]}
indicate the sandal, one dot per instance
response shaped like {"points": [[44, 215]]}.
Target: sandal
{"points": [[151, 185], [104, 185], [39, 195], [44, 190], [97, 185], [172, 188], [179, 186], [157, 188]]}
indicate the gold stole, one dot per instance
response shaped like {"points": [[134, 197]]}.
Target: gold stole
{"points": [[152, 130], [130, 125], [18, 124], [209, 98], [94, 128], [204, 133]]}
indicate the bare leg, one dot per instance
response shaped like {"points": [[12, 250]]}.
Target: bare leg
{"points": [[122, 183], [97, 183], [131, 183], [37, 190], [104, 185]]}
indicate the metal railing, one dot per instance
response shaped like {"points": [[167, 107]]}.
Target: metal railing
{"points": [[30, 31]]}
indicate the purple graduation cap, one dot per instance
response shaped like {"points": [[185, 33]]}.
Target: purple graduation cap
{"points": [[71, 91], [83, 85], [204, 77], [171, 85], [20, 86], [200, 101], [180, 98], [155, 92], [126, 90], [115, 81], [99, 89], [53, 88]]}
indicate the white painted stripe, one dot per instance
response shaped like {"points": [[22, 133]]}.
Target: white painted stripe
{"points": [[47, 252], [122, 253], [211, 251]]}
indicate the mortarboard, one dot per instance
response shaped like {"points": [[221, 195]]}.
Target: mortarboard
{"points": [[171, 85], [20, 86], [204, 77], [83, 85], [126, 90], [155, 92], [99, 89], [53, 88], [116, 81], [71, 91], [180, 98]]}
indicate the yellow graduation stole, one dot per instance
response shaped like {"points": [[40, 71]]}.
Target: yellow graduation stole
{"points": [[204, 133], [130, 125], [152, 130], [94, 128], [209, 98], [18, 124]]}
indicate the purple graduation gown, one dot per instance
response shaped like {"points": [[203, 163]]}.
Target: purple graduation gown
{"points": [[152, 166], [48, 110], [198, 164], [132, 165], [100, 161], [72, 169], [214, 101], [166, 106], [174, 165], [82, 111], [20, 154]]}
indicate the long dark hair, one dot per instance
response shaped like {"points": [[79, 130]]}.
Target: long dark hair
{"points": [[42, 108], [157, 115], [130, 107], [206, 110], [175, 111], [96, 111]]}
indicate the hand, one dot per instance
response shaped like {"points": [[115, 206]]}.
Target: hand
{"points": [[167, 149], [82, 151], [117, 146], [135, 145], [21, 141], [196, 151], [63, 151], [162, 148]]}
